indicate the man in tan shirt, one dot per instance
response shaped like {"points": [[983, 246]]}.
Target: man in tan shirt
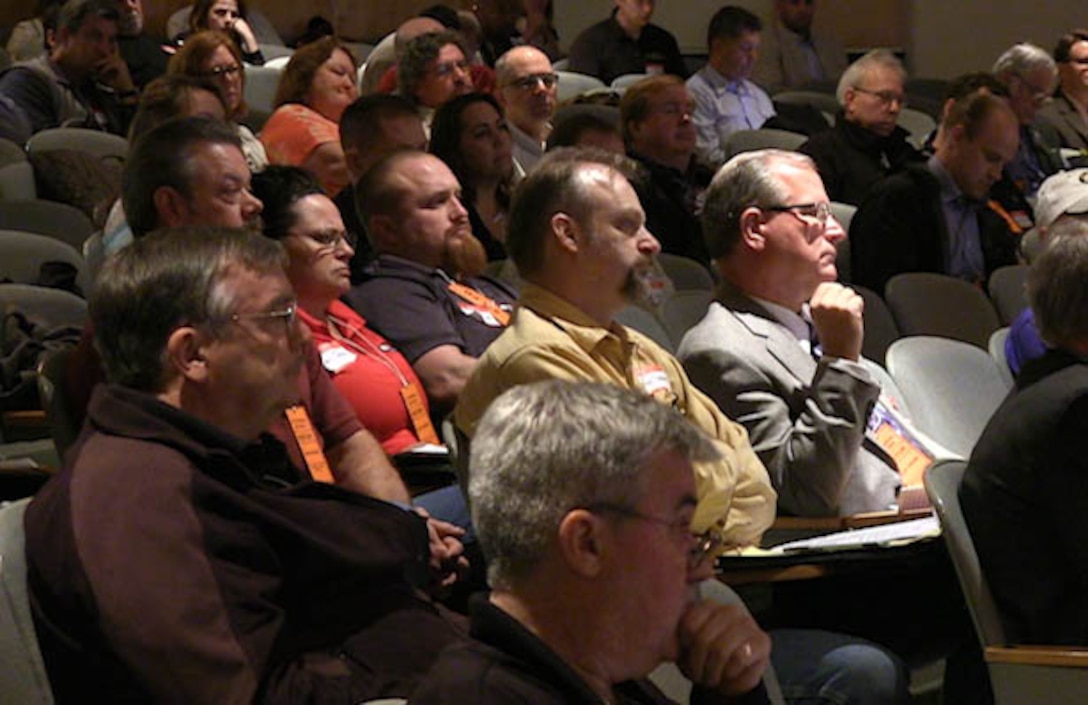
{"points": [[577, 234]]}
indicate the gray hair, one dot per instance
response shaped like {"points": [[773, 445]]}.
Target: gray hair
{"points": [[857, 71], [170, 278], [1058, 284], [544, 449], [748, 179], [1024, 58]]}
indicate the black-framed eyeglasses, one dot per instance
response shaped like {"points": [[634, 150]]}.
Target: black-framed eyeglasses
{"points": [[885, 97], [810, 213], [287, 314], [530, 82], [329, 240], [707, 544], [220, 71]]}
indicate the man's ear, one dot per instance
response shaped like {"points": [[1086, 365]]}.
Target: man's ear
{"points": [[382, 230], [171, 206], [567, 232], [185, 354], [581, 542], [751, 229], [352, 157]]}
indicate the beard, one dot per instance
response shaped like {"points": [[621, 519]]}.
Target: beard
{"points": [[464, 256], [647, 286]]}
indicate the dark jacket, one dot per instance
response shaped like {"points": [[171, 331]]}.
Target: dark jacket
{"points": [[851, 160], [1025, 499], [900, 227], [171, 562]]}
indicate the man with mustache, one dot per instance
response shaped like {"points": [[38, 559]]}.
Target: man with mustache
{"points": [[425, 291], [578, 236]]}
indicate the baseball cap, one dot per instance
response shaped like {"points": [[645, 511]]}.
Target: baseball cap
{"points": [[1063, 193]]}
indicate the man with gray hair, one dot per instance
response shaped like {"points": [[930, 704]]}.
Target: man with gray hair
{"points": [[180, 556], [781, 347], [866, 144], [1030, 76], [1027, 480], [584, 498]]}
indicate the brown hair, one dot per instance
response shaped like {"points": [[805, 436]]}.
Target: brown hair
{"points": [[197, 51], [298, 76]]}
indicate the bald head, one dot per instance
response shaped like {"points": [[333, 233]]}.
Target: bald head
{"points": [[528, 89], [415, 27]]}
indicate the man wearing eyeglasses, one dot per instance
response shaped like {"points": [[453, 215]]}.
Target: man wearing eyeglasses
{"points": [[180, 555], [1030, 76], [780, 349], [528, 89], [1066, 113], [937, 216], [432, 71], [866, 143], [658, 129]]}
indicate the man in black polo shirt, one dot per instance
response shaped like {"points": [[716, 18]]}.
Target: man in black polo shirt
{"points": [[424, 292], [626, 43]]}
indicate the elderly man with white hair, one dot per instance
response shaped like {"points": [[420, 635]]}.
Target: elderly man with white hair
{"points": [[1030, 75], [866, 144]]}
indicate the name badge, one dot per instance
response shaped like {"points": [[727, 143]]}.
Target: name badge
{"points": [[334, 357], [652, 379]]}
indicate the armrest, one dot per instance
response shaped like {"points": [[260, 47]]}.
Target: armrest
{"points": [[1036, 655]]}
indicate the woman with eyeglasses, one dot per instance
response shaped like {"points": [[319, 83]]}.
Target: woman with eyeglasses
{"points": [[214, 55], [229, 17], [470, 135], [375, 379], [317, 85]]}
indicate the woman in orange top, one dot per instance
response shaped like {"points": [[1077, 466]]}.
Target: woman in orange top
{"points": [[318, 83]]}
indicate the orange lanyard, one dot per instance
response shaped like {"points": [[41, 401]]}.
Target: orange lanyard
{"points": [[481, 301], [304, 433], [410, 393]]}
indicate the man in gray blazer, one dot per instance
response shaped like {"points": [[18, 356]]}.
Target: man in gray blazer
{"points": [[780, 351], [1065, 114]]}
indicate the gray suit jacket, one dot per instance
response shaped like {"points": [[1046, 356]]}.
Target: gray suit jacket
{"points": [[1062, 117], [806, 420]]}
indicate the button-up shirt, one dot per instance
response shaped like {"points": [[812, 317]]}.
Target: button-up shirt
{"points": [[723, 107]]}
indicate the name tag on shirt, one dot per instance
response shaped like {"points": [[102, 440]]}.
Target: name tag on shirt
{"points": [[334, 357], [652, 379], [910, 455]]}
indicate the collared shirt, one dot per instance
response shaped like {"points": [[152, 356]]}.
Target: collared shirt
{"points": [[1026, 170], [527, 150], [798, 324], [723, 107], [550, 338], [964, 249]]}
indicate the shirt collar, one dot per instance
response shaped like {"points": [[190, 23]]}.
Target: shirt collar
{"points": [[950, 192], [796, 323], [582, 329]]}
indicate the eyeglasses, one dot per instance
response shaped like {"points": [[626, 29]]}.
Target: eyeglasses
{"points": [[530, 82], [448, 67], [706, 545], [329, 240], [810, 213], [220, 71], [885, 97], [1038, 95], [286, 314]]}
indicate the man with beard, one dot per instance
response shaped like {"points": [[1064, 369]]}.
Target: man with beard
{"points": [[144, 55], [656, 115], [773, 240], [424, 291], [527, 88], [578, 237]]}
